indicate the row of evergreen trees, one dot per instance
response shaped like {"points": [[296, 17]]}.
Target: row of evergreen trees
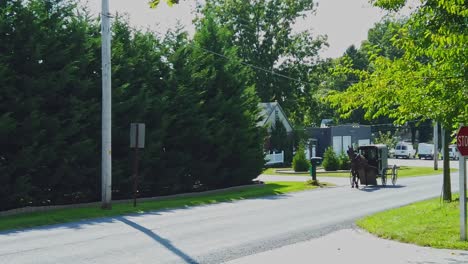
{"points": [[199, 108]]}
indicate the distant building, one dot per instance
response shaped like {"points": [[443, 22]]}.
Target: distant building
{"points": [[269, 112], [339, 137]]}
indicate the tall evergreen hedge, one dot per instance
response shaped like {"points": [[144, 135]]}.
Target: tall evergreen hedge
{"points": [[199, 109]]}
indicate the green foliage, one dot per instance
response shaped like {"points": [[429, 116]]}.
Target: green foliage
{"points": [[230, 150], [330, 160], [427, 82], [155, 3], [386, 139], [280, 140], [48, 103], [300, 162], [200, 110], [265, 38], [278, 136], [344, 162]]}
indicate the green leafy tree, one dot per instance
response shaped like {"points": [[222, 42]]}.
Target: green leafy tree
{"points": [[264, 37], [386, 139], [427, 82]]}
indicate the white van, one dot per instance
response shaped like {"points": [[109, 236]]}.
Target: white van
{"points": [[404, 150], [453, 152], [425, 151]]}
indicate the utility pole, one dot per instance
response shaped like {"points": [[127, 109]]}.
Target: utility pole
{"points": [[106, 172], [436, 146]]}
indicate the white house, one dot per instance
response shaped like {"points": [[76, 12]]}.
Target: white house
{"points": [[270, 113]]}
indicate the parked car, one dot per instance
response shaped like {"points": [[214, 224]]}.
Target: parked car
{"points": [[453, 152], [404, 150], [425, 151]]}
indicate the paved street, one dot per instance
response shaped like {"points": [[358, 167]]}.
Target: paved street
{"points": [[214, 233]]}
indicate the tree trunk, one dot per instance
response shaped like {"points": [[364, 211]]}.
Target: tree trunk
{"points": [[447, 190], [413, 133]]}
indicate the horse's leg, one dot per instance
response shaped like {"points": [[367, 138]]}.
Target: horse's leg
{"points": [[356, 181]]}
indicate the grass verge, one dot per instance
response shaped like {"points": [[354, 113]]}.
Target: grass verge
{"points": [[74, 214], [272, 171], [403, 172], [428, 223]]}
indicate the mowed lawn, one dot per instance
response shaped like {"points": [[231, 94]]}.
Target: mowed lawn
{"points": [[69, 215], [403, 172], [429, 223]]}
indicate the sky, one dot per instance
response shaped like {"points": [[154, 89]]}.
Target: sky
{"points": [[345, 22]]}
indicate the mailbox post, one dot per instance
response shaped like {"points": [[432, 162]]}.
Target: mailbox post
{"points": [[314, 162], [137, 141]]}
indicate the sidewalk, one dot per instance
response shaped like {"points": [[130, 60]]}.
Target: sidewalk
{"points": [[355, 246]]}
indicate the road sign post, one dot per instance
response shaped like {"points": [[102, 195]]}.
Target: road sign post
{"points": [[137, 141], [462, 146]]}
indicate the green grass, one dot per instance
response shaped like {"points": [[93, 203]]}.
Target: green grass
{"points": [[272, 171], [428, 223], [403, 172], [69, 215]]}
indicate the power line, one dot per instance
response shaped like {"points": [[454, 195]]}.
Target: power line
{"points": [[251, 65]]}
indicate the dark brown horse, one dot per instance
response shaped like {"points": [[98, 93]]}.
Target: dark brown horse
{"points": [[357, 162], [360, 168]]}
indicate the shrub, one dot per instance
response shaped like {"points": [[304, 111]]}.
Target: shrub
{"points": [[330, 160], [345, 163], [300, 162]]}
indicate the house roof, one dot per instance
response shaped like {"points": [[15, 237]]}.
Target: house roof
{"points": [[268, 109]]}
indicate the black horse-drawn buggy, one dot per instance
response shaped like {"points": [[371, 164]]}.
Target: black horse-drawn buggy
{"points": [[369, 163]]}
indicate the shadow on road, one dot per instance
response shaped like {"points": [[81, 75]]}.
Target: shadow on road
{"points": [[374, 188], [166, 243]]}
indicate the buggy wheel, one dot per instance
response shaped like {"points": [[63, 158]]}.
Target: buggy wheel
{"points": [[384, 177], [394, 174]]}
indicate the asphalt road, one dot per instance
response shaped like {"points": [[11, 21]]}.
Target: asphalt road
{"points": [[214, 233]]}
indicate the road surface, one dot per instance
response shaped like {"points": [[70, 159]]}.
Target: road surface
{"points": [[214, 233]]}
